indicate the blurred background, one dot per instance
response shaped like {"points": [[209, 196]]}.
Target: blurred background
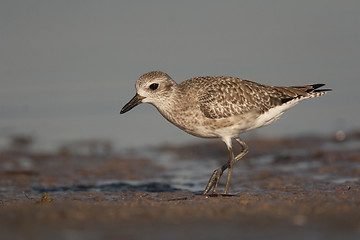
{"points": [[68, 67]]}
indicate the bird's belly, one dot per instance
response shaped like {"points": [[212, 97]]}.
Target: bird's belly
{"points": [[271, 115], [219, 128], [195, 123], [234, 125]]}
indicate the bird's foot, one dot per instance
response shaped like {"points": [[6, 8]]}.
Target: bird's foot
{"points": [[213, 181]]}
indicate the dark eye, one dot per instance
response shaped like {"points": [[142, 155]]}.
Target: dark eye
{"points": [[154, 86]]}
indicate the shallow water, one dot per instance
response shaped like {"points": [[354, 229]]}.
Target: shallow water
{"points": [[307, 187]]}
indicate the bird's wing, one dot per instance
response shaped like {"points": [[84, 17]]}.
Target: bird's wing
{"points": [[228, 97], [233, 96], [223, 97]]}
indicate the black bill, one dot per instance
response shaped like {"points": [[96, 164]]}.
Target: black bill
{"points": [[133, 102]]}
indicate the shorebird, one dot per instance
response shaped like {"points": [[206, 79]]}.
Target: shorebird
{"points": [[218, 107]]}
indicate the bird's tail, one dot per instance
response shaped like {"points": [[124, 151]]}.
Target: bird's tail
{"points": [[288, 94], [312, 90]]}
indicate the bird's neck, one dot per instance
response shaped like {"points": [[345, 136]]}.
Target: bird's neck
{"points": [[167, 107]]}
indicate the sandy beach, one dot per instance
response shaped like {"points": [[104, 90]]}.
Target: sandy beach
{"points": [[295, 188]]}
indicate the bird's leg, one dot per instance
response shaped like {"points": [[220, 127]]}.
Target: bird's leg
{"points": [[215, 177], [244, 151], [233, 160], [230, 169]]}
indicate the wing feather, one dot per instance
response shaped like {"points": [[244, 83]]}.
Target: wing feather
{"points": [[222, 97], [232, 96]]}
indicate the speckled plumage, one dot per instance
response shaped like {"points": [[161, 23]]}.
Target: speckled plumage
{"points": [[218, 106]]}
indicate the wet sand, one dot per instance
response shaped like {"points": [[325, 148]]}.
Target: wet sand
{"points": [[298, 188]]}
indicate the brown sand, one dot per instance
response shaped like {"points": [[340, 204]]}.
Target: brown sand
{"points": [[58, 196]]}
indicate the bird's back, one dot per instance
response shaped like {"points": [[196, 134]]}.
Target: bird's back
{"points": [[222, 97]]}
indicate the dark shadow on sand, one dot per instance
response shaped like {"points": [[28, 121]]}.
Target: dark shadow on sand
{"points": [[112, 187]]}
